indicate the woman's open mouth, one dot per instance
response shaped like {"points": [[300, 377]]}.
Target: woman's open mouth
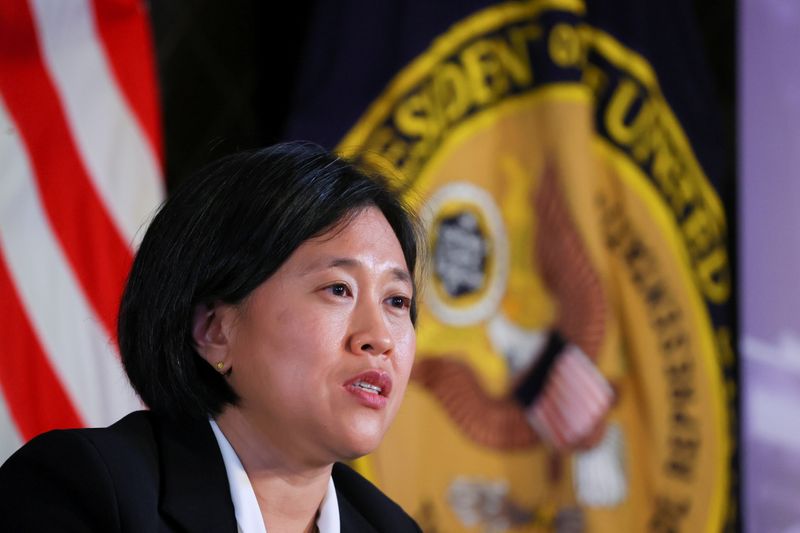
{"points": [[371, 388]]}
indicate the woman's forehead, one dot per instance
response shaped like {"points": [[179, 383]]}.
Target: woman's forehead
{"points": [[365, 240]]}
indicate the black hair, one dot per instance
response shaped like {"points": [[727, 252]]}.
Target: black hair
{"points": [[220, 235]]}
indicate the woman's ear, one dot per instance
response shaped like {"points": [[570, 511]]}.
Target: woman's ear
{"points": [[210, 333]]}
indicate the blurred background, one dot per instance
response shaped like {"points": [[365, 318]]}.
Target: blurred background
{"points": [[607, 190]]}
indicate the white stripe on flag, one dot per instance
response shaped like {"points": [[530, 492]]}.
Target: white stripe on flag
{"points": [[10, 438], [120, 161], [79, 350]]}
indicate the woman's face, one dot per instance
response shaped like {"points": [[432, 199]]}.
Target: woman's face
{"points": [[321, 351]]}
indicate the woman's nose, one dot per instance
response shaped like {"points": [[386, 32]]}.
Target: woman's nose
{"points": [[369, 333]]}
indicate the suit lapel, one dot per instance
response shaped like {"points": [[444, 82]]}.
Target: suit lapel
{"points": [[195, 492], [349, 517]]}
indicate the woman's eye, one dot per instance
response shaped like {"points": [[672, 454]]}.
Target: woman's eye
{"points": [[339, 289], [400, 302]]}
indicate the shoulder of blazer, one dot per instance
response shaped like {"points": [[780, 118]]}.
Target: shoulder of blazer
{"points": [[143, 473], [362, 504], [60, 480], [175, 466]]}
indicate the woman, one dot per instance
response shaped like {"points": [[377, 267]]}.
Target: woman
{"points": [[268, 324]]}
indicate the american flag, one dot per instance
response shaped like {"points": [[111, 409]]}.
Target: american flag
{"points": [[80, 174]]}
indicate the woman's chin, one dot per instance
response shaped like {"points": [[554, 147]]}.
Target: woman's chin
{"points": [[361, 442]]}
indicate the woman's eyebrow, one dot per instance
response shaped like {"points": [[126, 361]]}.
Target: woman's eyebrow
{"points": [[398, 274], [343, 262], [402, 275], [326, 264], [349, 263]]}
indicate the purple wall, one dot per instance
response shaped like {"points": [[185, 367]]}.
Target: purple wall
{"points": [[769, 260]]}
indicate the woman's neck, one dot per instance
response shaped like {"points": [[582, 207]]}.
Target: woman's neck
{"points": [[289, 491]]}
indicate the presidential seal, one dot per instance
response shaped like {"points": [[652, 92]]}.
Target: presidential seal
{"points": [[567, 375]]}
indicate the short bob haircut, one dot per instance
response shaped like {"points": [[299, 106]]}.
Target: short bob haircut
{"points": [[219, 236]]}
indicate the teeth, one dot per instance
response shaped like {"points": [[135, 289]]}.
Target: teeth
{"points": [[369, 387]]}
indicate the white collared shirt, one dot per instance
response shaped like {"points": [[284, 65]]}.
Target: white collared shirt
{"points": [[245, 504]]}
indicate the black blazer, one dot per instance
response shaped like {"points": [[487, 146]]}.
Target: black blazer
{"points": [[147, 473]]}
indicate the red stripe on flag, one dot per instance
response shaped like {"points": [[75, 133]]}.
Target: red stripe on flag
{"points": [[123, 25], [96, 252], [32, 390]]}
